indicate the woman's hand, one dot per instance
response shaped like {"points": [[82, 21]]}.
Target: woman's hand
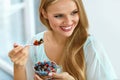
{"points": [[37, 77], [19, 55], [55, 76], [61, 76]]}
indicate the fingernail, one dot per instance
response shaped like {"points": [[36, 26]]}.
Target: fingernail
{"points": [[15, 44], [50, 74]]}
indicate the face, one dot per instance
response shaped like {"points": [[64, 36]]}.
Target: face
{"points": [[63, 17]]}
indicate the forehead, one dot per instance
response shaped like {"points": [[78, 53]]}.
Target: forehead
{"points": [[62, 5]]}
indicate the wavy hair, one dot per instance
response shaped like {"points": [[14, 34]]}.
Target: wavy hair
{"points": [[73, 60]]}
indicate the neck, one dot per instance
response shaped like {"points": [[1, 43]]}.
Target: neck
{"points": [[59, 39]]}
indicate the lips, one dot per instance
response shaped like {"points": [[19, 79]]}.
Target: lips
{"points": [[66, 28]]}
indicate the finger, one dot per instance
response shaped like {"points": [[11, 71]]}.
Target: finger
{"points": [[22, 60], [21, 57], [55, 75], [15, 45], [25, 49], [60, 76], [20, 54], [15, 51], [37, 77]]}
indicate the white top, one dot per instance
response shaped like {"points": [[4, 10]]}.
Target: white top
{"points": [[97, 63]]}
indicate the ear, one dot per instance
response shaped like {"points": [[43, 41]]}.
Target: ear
{"points": [[44, 13]]}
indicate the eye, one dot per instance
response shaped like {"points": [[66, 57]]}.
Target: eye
{"points": [[58, 16], [74, 12]]}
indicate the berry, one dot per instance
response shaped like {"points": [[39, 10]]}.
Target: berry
{"points": [[36, 42], [44, 68]]}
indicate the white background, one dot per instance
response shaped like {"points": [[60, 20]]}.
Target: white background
{"points": [[104, 19]]}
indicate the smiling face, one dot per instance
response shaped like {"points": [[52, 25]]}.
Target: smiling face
{"points": [[62, 17]]}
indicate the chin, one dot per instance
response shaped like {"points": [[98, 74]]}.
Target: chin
{"points": [[68, 34]]}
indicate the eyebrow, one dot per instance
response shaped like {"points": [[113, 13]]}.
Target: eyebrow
{"points": [[62, 13]]}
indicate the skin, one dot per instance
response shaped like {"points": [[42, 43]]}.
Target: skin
{"points": [[63, 18], [19, 56], [61, 15]]}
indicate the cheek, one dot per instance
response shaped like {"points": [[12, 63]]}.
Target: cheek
{"points": [[77, 19], [53, 23]]}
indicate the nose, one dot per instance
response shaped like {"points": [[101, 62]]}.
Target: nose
{"points": [[68, 20]]}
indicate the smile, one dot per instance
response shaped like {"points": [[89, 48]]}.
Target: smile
{"points": [[66, 28]]}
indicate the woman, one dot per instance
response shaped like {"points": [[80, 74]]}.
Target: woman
{"points": [[66, 42]]}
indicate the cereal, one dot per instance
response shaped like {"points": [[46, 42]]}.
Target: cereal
{"points": [[44, 68]]}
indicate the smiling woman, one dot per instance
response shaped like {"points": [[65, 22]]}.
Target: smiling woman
{"points": [[60, 20], [77, 54]]}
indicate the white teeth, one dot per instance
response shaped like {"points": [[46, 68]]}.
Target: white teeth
{"points": [[67, 27]]}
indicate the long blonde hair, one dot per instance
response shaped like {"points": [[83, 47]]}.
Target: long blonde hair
{"points": [[73, 60]]}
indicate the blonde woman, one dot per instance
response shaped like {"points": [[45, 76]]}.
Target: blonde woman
{"points": [[67, 43]]}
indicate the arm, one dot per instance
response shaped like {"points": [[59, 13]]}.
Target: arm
{"points": [[19, 72], [19, 56]]}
